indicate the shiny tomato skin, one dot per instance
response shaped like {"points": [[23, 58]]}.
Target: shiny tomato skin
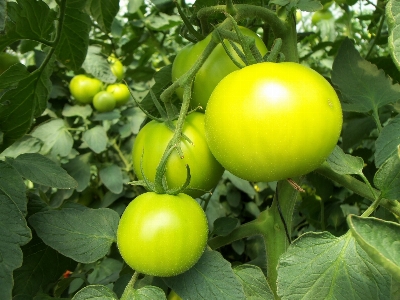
{"points": [[152, 141], [120, 92], [216, 67], [162, 235], [117, 68], [104, 101], [84, 88], [272, 121]]}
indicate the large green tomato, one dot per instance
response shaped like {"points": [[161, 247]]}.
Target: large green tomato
{"points": [[120, 92], [152, 141], [272, 121], [216, 67], [104, 101], [6, 61], [162, 235], [83, 88]]}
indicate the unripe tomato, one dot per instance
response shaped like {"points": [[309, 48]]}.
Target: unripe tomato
{"points": [[152, 141], [120, 92], [321, 15], [6, 61], [272, 121], [162, 235], [116, 67], [216, 67], [104, 101], [83, 88]]}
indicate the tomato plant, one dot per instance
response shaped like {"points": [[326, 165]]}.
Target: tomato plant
{"points": [[286, 117], [162, 235], [104, 101], [151, 142], [84, 88], [120, 93], [321, 15], [217, 66]]}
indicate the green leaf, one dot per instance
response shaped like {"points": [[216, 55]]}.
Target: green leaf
{"points": [[14, 231], [77, 110], [343, 163], [96, 138], [19, 106], [55, 137], [104, 12], [358, 127], [144, 293], [223, 226], [210, 278], [97, 65], [79, 169], [387, 141], [241, 184], [27, 144], [363, 87], [393, 20], [42, 266], [380, 239], [105, 271], [134, 5], [309, 5], [74, 41], [85, 235], [41, 170], [387, 178], [322, 266], [112, 178], [92, 292], [254, 283], [13, 75], [162, 21], [3, 6], [28, 20]]}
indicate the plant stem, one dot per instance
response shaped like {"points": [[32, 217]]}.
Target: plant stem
{"points": [[358, 187], [130, 287]]}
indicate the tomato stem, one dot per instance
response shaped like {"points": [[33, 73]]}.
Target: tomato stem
{"points": [[130, 287]]}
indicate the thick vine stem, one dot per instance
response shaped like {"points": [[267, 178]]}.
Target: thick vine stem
{"points": [[358, 187], [129, 289]]}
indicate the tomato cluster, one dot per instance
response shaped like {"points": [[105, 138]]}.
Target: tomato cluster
{"points": [[87, 90]]}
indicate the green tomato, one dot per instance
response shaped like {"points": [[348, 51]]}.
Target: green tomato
{"points": [[120, 92], [152, 141], [162, 235], [104, 101], [272, 121], [321, 15], [6, 61], [116, 67], [216, 67], [83, 88]]}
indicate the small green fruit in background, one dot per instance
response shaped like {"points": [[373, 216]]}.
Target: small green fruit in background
{"points": [[120, 92], [83, 88], [104, 101], [116, 67]]}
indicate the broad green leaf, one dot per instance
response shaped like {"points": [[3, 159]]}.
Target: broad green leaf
{"points": [[55, 137], [254, 283], [387, 178], [13, 75], [363, 87], [79, 169], [210, 278], [380, 239], [104, 12], [14, 231], [77, 110], [111, 115], [358, 127], [42, 266], [83, 235], [92, 292], [73, 45], [27, 144], [135, 117], [387, 141], [241, 184], [309, 5], [41, 170], [3, 6], [162, 21], [393, 20], [28, 20], [134, 5], [322, 266], [105, 271], [343, 163], [97, 65], [112, 178], [144, 293], [96, 138], [223, 226], [19, 106]]}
